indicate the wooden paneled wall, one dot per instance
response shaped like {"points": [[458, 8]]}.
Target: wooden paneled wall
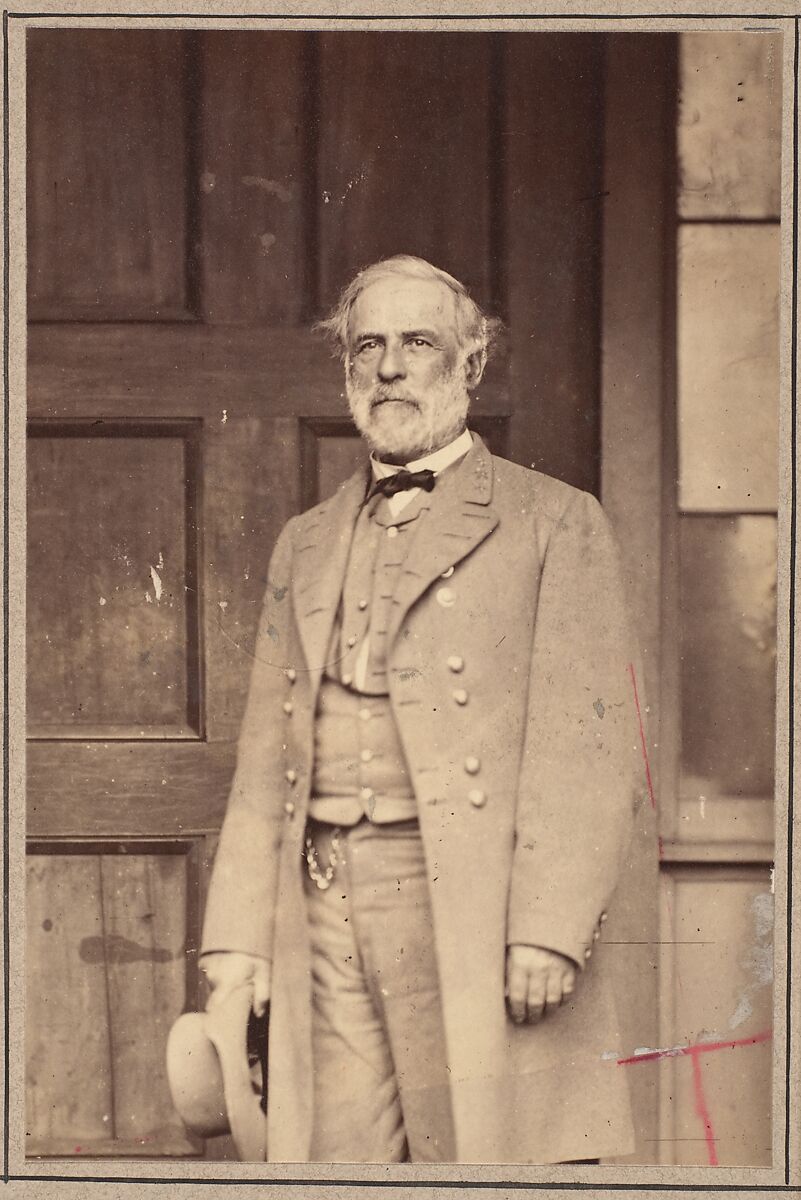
{"points": [[196, 199]]}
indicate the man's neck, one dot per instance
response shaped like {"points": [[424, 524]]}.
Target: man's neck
{"points": [[401, 460]]}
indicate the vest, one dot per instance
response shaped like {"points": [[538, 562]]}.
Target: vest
{"points": [[359, 765]]}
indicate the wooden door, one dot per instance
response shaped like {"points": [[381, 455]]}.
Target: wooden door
{"points": [[195, 201]]}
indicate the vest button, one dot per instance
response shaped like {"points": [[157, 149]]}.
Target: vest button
{"points": [[367, 794], [461, 696], [365, 714], [352, 641], [477, 798], [456, 663], [289, 808], [347, 679], [288, 707], [363, 605], [291, 674], [366, 756], [291, 776], [588, 953], [392, 531], [472, 765], [604, 917]]}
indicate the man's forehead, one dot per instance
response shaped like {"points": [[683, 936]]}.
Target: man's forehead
{"points": [[402, 302]]}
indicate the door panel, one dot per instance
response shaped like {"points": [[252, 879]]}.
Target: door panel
{"points": [[182, 410]]}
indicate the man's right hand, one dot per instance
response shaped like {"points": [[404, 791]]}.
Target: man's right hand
{"points": [[230, 969]]}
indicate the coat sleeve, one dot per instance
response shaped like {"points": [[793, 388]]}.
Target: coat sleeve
{"points": [[581, 772], [241, 899]]}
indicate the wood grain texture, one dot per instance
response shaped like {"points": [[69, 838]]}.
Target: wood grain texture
{"points": [[67, 1036], [252, 482], [251, 189], [165, 372], [145, 908], [553, 138], [729, 282], [106, 174], [124, 789], [404, 154], [729, 129], [107, 611]]}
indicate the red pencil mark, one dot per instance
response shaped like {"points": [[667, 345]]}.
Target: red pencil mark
{"points": [[695, 1051], [642, 737], [702, 1110], [696, 1047]]}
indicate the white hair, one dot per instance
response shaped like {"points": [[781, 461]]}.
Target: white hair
{"points": [[477, 332]]}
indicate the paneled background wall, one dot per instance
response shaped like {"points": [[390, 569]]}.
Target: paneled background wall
{"points": [[719, 726], [196, 200]]}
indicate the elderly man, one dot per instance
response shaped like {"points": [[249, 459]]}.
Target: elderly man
{"points": [[435, 783]]}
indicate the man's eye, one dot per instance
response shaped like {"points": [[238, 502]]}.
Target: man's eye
{"points": [[366, 346], [419, 342]]}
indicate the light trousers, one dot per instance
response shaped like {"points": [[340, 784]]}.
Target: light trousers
{"points": [[378, 1046]]}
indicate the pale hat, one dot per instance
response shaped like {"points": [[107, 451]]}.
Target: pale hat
{"points": [[217, 1071]]}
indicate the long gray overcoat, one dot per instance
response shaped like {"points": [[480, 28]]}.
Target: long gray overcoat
{"points": [[511, 592]]}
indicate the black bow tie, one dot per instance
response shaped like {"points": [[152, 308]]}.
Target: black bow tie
{"points": [[401, 481]]}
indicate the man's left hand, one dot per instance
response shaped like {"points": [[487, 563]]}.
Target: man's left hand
{"points": [[537, 982]]}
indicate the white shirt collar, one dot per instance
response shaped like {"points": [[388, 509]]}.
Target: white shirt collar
{"points": [[436, 462]]}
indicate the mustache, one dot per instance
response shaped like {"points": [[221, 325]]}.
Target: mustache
{"points": [[383, 394]]}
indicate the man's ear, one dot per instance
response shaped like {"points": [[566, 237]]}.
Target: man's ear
{"points": [[474, 367]]}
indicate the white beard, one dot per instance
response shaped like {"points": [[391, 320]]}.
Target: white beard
{"points": [[411, 426]]}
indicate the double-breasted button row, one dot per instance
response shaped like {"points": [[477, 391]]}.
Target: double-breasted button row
{"points": [[455, 663], [477, 797], [461, 696]]}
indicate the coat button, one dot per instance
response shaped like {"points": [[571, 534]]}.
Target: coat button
{"points": [[365, 714], [288, 707], [477, 798], [587, 952], [595, 935], [291, 776], [461, 696], [472, 765], [362, 605], [604, 916], [366, 755], [291, 674], [447, 574], [352, 640], [446, 597], [367, 794], [455, 663], [392, 531], [289, 808], [347, 679]]}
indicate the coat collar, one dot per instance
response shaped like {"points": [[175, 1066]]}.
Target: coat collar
{"points": [[460, 519]]}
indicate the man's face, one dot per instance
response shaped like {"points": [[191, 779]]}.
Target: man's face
{"points": [[406, 372]]}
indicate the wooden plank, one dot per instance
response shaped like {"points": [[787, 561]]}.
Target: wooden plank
{"points": [[106, 176], [723, 926], [388, 179], [252, 487], [729, 130], [553, 144], [107, 557], [728, 656], [144, 934], [637, 240], [137, 372], [119, 790], [67, 1044], [252, 187], [728, 367]]}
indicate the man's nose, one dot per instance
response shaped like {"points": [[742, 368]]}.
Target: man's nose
{"points": [[391, 365]]}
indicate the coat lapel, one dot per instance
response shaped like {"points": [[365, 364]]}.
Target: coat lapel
{"points": [[321, 556], [461, 517]]}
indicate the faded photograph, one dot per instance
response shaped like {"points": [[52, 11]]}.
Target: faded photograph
{"points": [[401, 595]]}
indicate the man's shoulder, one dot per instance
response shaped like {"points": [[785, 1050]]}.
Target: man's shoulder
{"points": [[543, 493]]}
